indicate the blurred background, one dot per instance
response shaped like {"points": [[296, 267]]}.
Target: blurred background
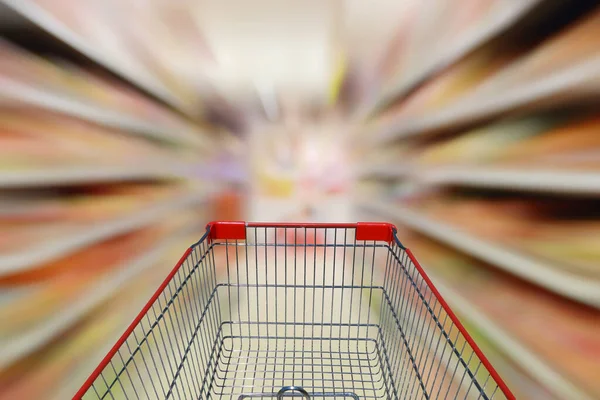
{"points": [[473, 125]]}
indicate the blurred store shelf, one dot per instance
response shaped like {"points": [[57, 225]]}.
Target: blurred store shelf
{"points": [[538, 271], [104, 288], [136, 74], [53, 248], [383, 171], [15, 93], [525, 179], [578, 82], [522, 355], [68, 176], [557, 181], [521, 85], [501, 16], [109, 162], [57, 370]]}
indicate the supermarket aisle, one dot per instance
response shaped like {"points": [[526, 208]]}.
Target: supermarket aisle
{"points": [[470, 124]]}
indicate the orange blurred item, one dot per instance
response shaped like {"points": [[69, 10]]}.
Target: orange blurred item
{"points": [[228, 206], [58, 283], [63, 215]]}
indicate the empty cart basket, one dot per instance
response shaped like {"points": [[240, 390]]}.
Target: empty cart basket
{"points": [[340, 311]]}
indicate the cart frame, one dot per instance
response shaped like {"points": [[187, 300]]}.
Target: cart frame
{"points": [[413, 333]]}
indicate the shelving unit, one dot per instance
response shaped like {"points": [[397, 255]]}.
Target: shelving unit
{"points": [[534, 180], [502, 19], [15, 93], [50, 250], [575, 83], [141, 78], [422, 145], [63, 176], [542, 273], [557, 181], [130, 183], [493, 329], [511, 346], [27, 342], [78, 350]]}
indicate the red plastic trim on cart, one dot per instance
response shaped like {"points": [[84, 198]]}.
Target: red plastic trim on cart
{"points": [[236, 230], [486, 363], [226, 230]]}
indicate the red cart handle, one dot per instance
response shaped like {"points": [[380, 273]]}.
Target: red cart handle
{"points": [[236, 230]]}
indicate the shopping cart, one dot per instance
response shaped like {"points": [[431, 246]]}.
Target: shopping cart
{"points": [[339, 311]]}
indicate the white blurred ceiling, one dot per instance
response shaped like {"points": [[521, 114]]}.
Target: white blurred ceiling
{"points": [[281, 45], [291, 47]]}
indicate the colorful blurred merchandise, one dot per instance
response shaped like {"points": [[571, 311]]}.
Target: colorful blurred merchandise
{"points": [[449, 85], [438, 26], [73, 213], [276, 186], [58, 369], [162, 47], [58, 284], [63, 79], [569, 342], [275, 166], [34, 139], [564, 233], [572, 145], [228, 206], [489, 71], [538, 141], [486, 144], [571, 47]]}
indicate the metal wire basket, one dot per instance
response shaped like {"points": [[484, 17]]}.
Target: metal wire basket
{"points": [[338, 311]]}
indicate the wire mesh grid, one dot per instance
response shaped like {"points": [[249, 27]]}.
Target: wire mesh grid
{"points": [[297, 311]]}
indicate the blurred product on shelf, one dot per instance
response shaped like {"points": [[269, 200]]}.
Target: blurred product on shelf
{"points": [[535, 142], [56, 284], [161, 54], [35, 139], [42, 303], [57, 370], [562, 68], [64, 79], [569, 344], [543, 152], [228, 206], [449, 85], [521, 382], [449, 30], [34, 217], [34, 81], [559, 230]]}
